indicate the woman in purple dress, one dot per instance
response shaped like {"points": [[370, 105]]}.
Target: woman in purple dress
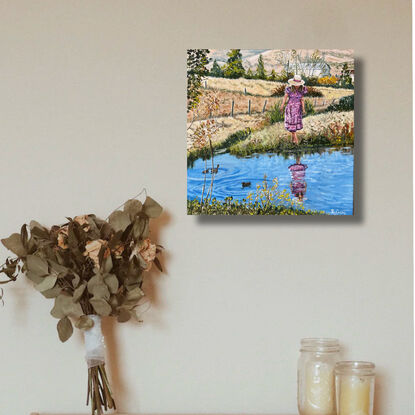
{"points": [[293, 119]]}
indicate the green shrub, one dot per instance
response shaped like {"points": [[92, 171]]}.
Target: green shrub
{"points": [[309, 107], [284, 76], [311, 80], [234, 138], [204, 152], [345, 104], [276, 115], [279, 91]]}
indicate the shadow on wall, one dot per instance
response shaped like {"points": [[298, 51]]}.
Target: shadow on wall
{"points": [[110, 325]]}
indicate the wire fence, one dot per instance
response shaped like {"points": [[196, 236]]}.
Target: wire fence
{"points": [[257, 105]]}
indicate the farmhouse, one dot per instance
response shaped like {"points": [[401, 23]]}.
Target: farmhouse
{"points": [[309, 68]]}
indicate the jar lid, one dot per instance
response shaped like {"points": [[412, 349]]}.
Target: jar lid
{"points": [[355, 368], [319, 344]]}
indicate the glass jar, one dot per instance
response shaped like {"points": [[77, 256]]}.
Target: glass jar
{"points": [[315, 376], [355, 388]]}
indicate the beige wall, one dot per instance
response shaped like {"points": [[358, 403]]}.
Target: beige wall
{"points": [[92, 104]]}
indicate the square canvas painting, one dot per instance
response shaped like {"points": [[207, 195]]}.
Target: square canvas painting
{"points": [[270, 131]]}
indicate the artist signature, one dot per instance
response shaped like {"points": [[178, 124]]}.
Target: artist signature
{"points": [[337, 212]]}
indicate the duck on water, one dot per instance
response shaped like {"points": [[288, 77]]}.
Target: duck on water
{"points": [[211, 170]]}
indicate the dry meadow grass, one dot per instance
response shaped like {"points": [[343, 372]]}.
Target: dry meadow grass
{"points": [[253, 86], [258, 91], [265, 88], [228, 126], [313, 124]]}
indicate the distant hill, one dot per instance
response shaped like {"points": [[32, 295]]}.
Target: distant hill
{"points": [[274, 58]]}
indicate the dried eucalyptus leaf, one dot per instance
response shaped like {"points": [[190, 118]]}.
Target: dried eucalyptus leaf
{"points": [[119, 220], [33, 224], [64, 306], [115, 240], [65, 329], [151, 208], [38, 230], [75, 280], [107, 264], [60, 307], [34, 277], [133, 296], [101, 307], [52, 293], [37, 265], [114, 301], [125, 235], [124, 315], [138, 227], [112, 282], [77, 294], [106, 230], [14, 243], [146, 229], [100, 291], [84, 323], [47, 283], [58, 268], [76, 310], [72, 239], [24, 235], [95, 280], [97, 287], [40, 233], [93, 228], [133, 207], [158, 264]]}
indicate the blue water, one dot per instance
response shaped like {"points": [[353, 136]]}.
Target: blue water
{"points": [[328, 178]]}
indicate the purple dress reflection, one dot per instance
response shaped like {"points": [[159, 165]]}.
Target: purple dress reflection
{"points": [[298, 184]]}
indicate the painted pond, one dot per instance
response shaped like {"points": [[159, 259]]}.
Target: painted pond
{"points": [[324, 180]]}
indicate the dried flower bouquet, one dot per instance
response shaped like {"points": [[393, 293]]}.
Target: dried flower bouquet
{"points": [[91, 268]]}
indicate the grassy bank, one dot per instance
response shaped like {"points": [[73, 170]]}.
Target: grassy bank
{"points": [[268, 199], [332, 129], [204, 152], [235, 207]]}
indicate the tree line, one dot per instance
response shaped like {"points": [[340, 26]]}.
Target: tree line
{"points": [[234, 68]]}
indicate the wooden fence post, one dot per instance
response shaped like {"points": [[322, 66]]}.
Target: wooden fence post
{"points": [[205, 84], [233, 103], [249, 106], [245, 91], [263, 108]]}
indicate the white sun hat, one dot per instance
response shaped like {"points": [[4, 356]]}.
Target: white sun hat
{"points": [[296, 80]]}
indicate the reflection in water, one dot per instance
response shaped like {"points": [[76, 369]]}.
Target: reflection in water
{"points": [[325, 184], [298, 184]]}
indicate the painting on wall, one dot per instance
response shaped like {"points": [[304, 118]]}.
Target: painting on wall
{"points": [[270, 131]]}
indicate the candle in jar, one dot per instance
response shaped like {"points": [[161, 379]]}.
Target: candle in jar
{"points": [[319, 389], [355, 396]]}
